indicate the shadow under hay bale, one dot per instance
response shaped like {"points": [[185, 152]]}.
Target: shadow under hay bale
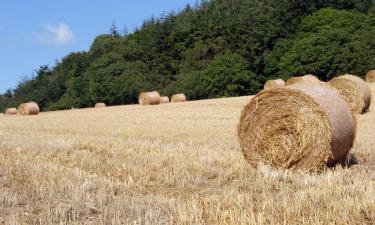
{"points": [[271, 84], [309, 78], [303, 127], [30, 108], [178, 98], [10, 111], [100, 105], [354, 90], [149, 98], [164, 100]]}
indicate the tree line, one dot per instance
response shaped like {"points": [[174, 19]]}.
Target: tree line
{"points": [[216, 48]]}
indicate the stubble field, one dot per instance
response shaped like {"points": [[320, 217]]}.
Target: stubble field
{"points": [[167, 164]]}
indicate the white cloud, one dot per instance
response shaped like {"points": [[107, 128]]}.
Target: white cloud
{"points": [[58, 35]]}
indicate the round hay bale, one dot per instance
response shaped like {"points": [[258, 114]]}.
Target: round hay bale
{"points": [[309, 78], [350, 92], [30, 108], [178, 98], [354, 90], [100, 105], [302, 127], [10, 111], [370, 76], [149, 98], [271, 84], [164, 100]]}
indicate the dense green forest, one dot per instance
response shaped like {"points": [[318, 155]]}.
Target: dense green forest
{"points": [[213, 49]]}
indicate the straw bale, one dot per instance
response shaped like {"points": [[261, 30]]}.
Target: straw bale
{"points": [[303, 127], [100, 105], [10, 111], [370, 76], [309, 78], [30, 108], [149, 98], [354, 90], [271, 84], [178, 98], [164, 100]]}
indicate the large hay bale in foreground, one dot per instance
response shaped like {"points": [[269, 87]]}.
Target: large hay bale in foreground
{"points": [[10, 111], [164, 100], [309, 78], [178, 98], [100, 105], [302, 127], [30, 108], [354, 90], [271, 84], [370, 76], [149, 98]]}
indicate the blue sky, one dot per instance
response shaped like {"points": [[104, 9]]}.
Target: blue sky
{"points": [[35, 33]]}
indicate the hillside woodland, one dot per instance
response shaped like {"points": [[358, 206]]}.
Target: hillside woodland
{"points": [[215, 48]]}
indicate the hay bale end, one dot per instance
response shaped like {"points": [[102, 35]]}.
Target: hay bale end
{"points": [[354, 90]]}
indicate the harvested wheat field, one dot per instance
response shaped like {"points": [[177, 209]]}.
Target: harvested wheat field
{"points": [[167, 164]]}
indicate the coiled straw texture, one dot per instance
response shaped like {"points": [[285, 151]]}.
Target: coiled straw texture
{"points": [[354, 90]]}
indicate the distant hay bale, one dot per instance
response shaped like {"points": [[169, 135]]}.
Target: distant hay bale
{"points": [[178, 98], [10, 111], [271, 84], [100, 105], [30, 108], [164, 100], [309, 78], [302, 127], [354, 90], [370, 76], [149, 98]]}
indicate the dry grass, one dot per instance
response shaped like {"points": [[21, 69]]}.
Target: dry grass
{"points": [[136, 165]]}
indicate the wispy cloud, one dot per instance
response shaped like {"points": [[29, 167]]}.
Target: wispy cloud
{"points": [[58, 35]]}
